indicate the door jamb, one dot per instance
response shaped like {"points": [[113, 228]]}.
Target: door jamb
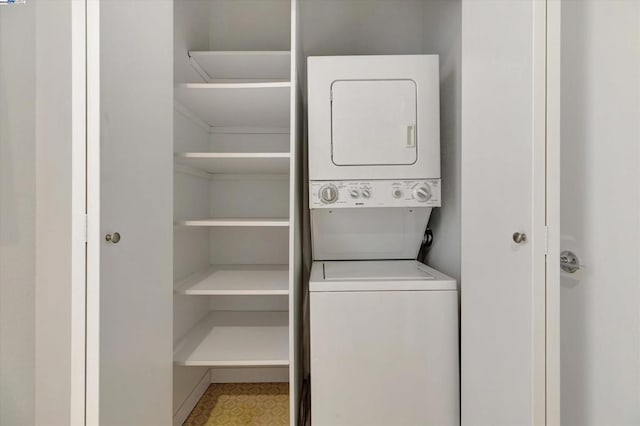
{"points": [[93, 213], [553, 109], [78, 209]]}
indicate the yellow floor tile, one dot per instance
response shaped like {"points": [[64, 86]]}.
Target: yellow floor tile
{"points": [[242, 404]]}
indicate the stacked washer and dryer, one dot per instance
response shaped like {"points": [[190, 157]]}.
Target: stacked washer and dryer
{"points": [[383, 326]]}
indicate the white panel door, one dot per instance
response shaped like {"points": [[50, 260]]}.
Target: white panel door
{"points": [[599, 200], [503, 143], [131, 168]]}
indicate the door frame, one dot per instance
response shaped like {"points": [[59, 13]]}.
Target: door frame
{"points": [[86, 208], [553, 85], [92, 395], [78, 212]]}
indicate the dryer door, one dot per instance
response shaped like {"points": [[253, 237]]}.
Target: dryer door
{"points": [[373, 122]]}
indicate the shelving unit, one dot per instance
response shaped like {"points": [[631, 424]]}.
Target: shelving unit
{"points": [[236, 213], [236, 339], [237, 280]]}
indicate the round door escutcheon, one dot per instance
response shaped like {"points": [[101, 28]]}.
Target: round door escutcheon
{"points": [[113, 238]]}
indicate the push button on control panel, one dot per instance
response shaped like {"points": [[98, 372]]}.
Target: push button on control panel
{"points": [[397, 193]]}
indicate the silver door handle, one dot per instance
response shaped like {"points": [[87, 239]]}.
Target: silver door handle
{"points": [[569, 262], [112, 238], [519, 237]]}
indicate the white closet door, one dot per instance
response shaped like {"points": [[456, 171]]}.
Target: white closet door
{"points": [[131, 193], [503, 143]]}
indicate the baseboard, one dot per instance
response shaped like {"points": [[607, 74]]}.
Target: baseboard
{"points": [[187, 406], [250, 375]]}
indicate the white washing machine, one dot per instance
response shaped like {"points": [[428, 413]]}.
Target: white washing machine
{"points": [[384, 344]]}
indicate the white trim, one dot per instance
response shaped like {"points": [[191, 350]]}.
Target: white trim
{"points": [[234, 85], [190, 402], [93, 213], [248, 176], [553, 213], [78, 210], [295, 261], [235, 222], [250, 130], [251, 375], [538, 211], [232, 155]]}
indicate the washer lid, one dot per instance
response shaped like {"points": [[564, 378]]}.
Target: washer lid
{"points": [[381, 275], [397, 270]]}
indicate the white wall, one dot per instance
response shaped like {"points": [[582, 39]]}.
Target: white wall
{"points": [[359, 27], [35, 213], [191, 32], [17, 214], [250, 25], [600, 205]]}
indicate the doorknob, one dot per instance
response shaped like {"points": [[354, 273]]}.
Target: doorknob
{"points": [[519, 237], [112, 238], [569, 262]]}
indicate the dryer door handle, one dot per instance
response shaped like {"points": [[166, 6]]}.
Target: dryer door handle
{"points": [[411, 136]]}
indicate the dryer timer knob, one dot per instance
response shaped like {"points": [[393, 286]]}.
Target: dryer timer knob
{"points": [[328, 194], [422, 193]]}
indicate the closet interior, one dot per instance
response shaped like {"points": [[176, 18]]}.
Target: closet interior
{"points": [[241, 235], [236, 197]]}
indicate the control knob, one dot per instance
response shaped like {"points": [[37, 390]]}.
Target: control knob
{"points": [[366, 193], [422, 192], [328, 194]]}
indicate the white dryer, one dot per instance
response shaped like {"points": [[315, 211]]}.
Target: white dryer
{"points": [[374, 154], [384, 344]]}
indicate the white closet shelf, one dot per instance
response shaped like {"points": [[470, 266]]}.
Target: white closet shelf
{"points": [[263, 104], [242, 65], [236, 339], [236, 162], [236, 221], [237, 280]]}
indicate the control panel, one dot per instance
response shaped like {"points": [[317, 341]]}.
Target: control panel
{"points": [[374, 193]]}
